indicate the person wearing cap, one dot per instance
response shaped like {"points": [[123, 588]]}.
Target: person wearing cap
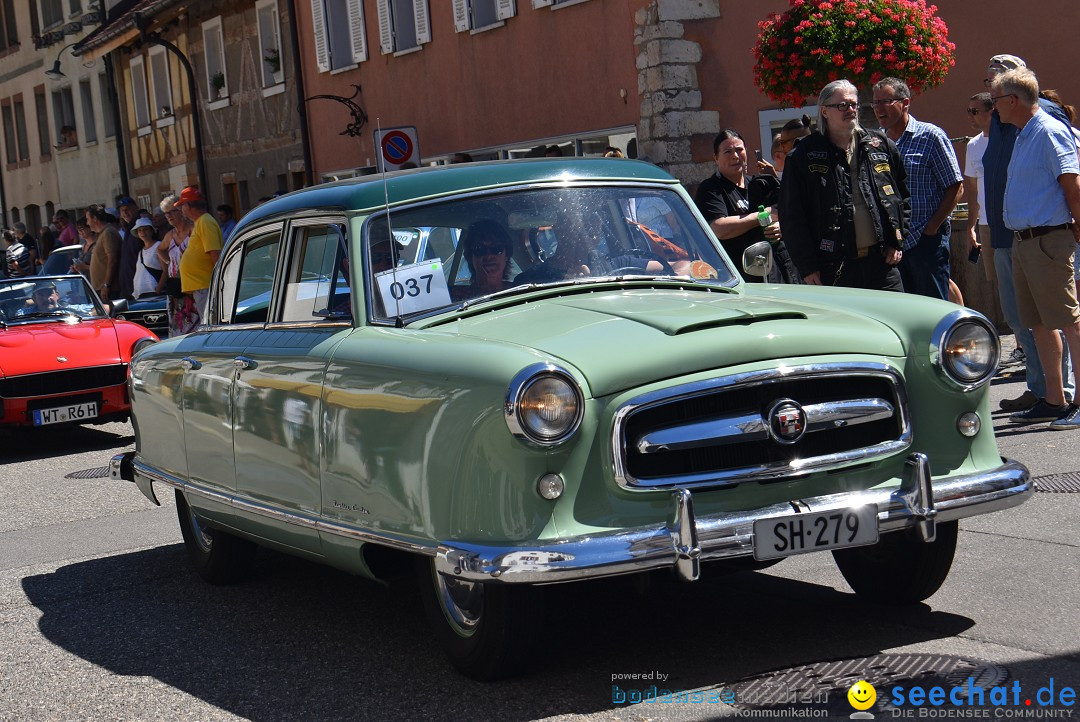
{"points": [[105, 261], [149, 278], [204, 248], [130, 246], [996, 159], [1042, 197], [43, 299], [934, 181]]}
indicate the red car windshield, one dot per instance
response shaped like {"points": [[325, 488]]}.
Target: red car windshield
{"points": [[32, 299]]}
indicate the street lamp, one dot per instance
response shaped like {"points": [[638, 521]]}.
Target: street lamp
{"points": [[54, 73]]}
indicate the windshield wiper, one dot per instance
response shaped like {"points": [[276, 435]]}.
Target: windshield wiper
{"points": [[59, 313]]}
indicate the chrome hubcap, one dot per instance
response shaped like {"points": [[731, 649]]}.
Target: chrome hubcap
{"points": [[462, 603]]}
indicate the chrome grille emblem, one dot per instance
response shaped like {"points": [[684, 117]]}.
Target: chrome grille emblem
{"points": [[152, 317], [786, 421]]}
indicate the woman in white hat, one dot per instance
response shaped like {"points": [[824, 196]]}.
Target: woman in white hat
{"points": [[149, 278]]}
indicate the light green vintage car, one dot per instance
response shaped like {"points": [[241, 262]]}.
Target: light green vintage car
{"points": [[520, 373]]}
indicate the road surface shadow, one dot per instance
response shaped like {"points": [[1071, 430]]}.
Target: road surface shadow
{"points": [[302, 641]]}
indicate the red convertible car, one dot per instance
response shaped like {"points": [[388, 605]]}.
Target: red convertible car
{"points": [[62, 359]]}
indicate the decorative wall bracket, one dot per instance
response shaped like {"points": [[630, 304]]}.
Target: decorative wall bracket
{"points": [[359, 117]]}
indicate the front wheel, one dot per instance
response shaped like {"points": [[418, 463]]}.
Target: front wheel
{"points": [[217, 556], [485, 629], [900, 568]]}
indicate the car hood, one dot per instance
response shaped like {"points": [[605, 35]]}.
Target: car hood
{"points": [[626, 338], [37, 348]]}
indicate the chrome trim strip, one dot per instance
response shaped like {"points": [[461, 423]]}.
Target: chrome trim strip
{"points": [[730, 535], [765, 471], [130, 468], [752, 427], [940, 338]]}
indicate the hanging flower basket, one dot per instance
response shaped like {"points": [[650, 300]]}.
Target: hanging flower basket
{"points": [[818, 41]]}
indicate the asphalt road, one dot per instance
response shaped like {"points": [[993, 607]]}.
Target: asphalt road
{"points": [[101, 620]]}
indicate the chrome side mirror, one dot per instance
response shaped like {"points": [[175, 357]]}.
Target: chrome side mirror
{"points": [[757, 260]]}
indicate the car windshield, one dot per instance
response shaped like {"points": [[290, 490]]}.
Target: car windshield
{"points": [[37, 298], [465, 250]]}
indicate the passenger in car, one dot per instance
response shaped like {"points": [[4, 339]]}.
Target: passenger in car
{"points": [[488, 248]]}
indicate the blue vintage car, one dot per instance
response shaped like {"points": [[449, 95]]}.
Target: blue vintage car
{"points": [[509, 374]]}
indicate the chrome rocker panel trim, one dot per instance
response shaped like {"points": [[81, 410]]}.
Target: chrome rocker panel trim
{"points": [[681, 544]]}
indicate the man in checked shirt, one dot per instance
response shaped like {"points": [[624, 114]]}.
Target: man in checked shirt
{"points": [[935, 184]]}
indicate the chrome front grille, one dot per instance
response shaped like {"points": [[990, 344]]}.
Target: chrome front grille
{"points": [[760, 426]]}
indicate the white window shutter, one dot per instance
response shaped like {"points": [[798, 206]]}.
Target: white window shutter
{"points": [[386, 32], [541, 3], [461, 16], [322, 57], [423, 27], [356, 30], [505, 9]]}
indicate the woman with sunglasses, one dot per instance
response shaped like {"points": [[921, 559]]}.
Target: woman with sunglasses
{"points": [[487, 252]]}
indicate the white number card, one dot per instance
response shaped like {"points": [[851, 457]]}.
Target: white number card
{"points": [[419, 287]]}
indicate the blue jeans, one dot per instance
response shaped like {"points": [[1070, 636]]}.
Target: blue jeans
{"points": [[1036, 379], [925, 266]]}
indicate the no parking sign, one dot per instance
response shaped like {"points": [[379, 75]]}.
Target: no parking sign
{"points": [[397, 146]]}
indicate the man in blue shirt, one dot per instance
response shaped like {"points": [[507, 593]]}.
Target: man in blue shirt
{"points": [[1042, 197], [935, 184], [999, 149]]}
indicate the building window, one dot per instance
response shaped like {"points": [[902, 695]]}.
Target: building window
{"points": [[270, 43], [64, 118], [159, 79], [86, 98], [108, 107], [403, 25], [9, 35], [339, 33], [41, 105], [76, 8], [474, 14], [139, 95], [554, 3], [9, 134], [52, 13], [217, 80], [20, 130]]}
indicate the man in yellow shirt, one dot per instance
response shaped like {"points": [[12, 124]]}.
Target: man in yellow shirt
{"points": [[204, 247]]}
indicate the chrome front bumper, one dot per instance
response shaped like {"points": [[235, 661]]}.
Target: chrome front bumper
{"points": [[685, 541], [682, 543]]}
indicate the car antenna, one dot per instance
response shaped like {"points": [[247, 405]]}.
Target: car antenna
{"points": [[398, 322]]}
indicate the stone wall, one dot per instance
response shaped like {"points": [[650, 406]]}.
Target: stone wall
{"points": [[671, 112]]}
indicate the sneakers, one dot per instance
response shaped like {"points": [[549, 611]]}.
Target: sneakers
{"points": [[1016, 358], [1067, 421], [1042, 411], [1023, 402]]}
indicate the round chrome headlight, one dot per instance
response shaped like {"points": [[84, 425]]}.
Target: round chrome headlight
{"points": [[544, 405], [965, 349], [142, 343]]}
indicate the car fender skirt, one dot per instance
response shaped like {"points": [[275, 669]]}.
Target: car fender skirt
{"points": [[686, 540]]}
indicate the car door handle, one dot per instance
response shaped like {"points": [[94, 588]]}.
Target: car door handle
{"points": [[243, 363], [190, 364]]}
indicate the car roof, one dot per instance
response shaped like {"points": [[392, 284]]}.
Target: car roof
{"points": [[369, 193]]}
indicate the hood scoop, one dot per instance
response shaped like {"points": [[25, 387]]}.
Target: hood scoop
{"points": [[749, 319]]}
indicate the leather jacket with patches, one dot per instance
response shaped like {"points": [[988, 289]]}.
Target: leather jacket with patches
{"points": [[817, 213]]}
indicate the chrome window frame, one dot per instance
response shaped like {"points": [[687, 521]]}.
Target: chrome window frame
{"points": [[764, 472]]}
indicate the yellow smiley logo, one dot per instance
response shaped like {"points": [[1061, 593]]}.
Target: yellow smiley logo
{"points": [[862, 695]]}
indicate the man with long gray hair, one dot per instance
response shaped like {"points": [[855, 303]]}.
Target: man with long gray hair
{"points": [[844, 199]]}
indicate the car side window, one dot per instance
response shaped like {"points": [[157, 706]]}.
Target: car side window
{"points": [[317, 285], [247, 280]]}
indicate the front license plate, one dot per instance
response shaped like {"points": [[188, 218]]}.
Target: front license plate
{"points": [[819, 531], [71, 412]]}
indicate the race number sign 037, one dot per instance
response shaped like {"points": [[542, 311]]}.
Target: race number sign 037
{"points": [[409, 289]]}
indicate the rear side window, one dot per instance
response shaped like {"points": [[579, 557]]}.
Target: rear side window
{"points": [[247, 280]]}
